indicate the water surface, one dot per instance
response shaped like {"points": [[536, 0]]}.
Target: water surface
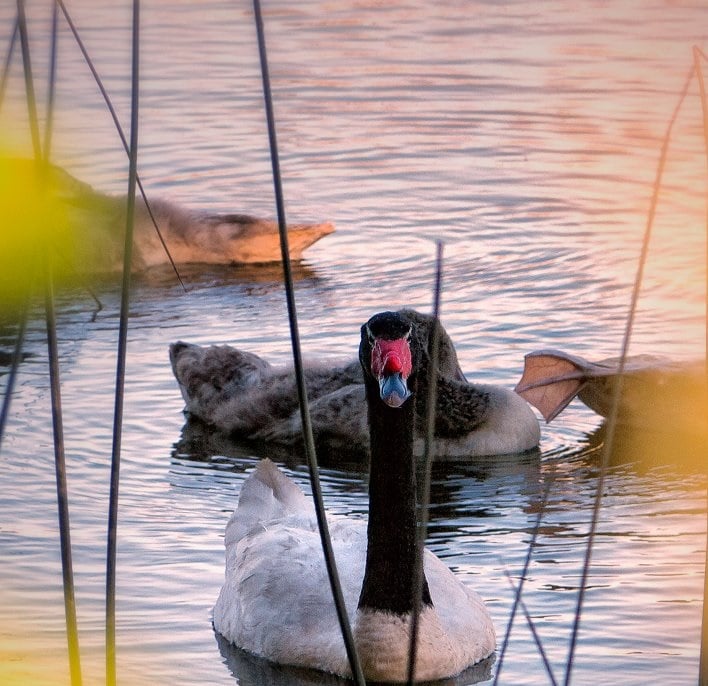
{"points": [[524, 136]]}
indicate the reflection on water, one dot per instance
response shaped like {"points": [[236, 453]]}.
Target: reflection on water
{"points": [[250, 279], [524, 135], [200, 442], [253, 671], [684, 451]]}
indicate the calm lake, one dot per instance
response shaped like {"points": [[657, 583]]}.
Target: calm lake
{"points": [[524, 135]]}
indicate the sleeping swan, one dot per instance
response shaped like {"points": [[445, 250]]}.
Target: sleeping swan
{"points": [[243, 396], [276, 601], [97, 224]]}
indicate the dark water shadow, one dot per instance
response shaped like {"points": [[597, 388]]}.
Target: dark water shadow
{"points": [[260, 277], [251, 670], [202, 443], [6, 357]]}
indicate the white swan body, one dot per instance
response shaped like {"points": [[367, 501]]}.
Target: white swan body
{"points": [[276, 599]]}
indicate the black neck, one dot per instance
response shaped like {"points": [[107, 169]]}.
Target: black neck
{"points": [[392, 549]]}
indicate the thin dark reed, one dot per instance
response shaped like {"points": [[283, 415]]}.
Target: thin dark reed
{"points": [[703, 665], [8, 59], [55, 385], [72, 630], [617, 390], [22, 322], [121, 134], [62, 496], [297, 361], [29, 81], [534, 633], [122, 353], [522, 579], [424, 497], [51, 89], [14, 366]]}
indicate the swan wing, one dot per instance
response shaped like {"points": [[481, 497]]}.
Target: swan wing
{"points": [[338, 421], [276, 600]]}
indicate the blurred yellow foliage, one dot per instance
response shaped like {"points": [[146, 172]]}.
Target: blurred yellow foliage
{"points": [[36, 234]]}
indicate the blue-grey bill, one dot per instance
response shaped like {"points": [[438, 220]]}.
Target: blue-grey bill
{"points": [[393, 389]]}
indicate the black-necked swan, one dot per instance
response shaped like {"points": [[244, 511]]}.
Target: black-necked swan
{"points": [[276, 602], [243, 396]]}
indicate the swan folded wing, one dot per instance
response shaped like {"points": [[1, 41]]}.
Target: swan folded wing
{"points": [[338, 419], [275, 601]]}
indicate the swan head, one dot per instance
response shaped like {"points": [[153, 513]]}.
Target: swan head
{"points": [[385, 355]]}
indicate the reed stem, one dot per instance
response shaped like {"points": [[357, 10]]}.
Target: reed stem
{"points": [[617, 391], [424, 496], [51, 90], [703, 664], [41, 157], [534, 633], [61, 481], [520, 587], [121, 363], [8, 59], [297, 361], [14, 366], [29, 81]]}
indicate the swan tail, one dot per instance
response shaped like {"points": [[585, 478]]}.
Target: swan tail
{"points": [[284, 490], [208, 376], [266, 495]]}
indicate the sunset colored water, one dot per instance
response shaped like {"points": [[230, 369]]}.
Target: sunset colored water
{"points": [[527, 138]]}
